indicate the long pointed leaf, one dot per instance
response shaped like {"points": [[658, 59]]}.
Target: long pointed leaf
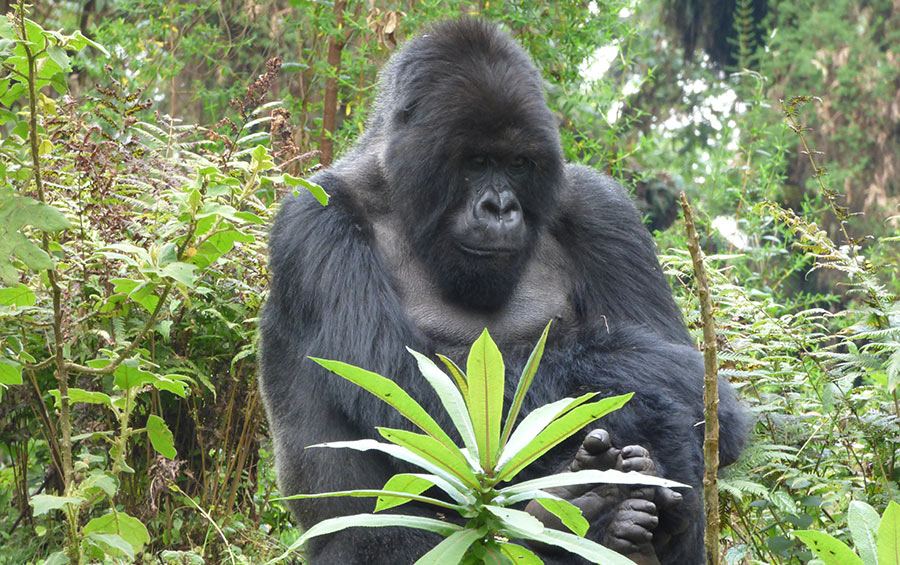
{"points": [[592, 551], [524, 384], [828, 548], [452, 549], [535, 422], [369, 521], [889, 535], [406, 483], [486, 378], [462, 498], [397, 452], [561, 429], [518, 519], [525, 490], [457, 375], [391, 393], [863, 521], [453, 402], [569, 514], [428, 448], [372, 493], [520, 555]]}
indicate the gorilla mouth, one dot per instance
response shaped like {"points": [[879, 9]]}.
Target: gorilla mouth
{"points": [[486, 252]]}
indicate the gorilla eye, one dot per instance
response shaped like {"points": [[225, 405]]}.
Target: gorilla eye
{"points": [[520, 163], [478, 161]]}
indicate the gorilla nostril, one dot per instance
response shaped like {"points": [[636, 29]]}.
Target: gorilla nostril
{"points": [[491, 208], [502, 207]]}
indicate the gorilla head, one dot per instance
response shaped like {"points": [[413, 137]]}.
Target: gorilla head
{"points": [[471, 151]]}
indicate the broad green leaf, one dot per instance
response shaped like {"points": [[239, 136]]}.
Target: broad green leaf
{"points": [[527, 490], [127, 527], [520, 555], [559, 430], [19, 295], [102, 481], [181, 272], [569, 514], [593, 552], [86, 396], [518, 519], [452, 549], [124, 286], [57, 558], [370, 521], [145, 295], [829, 549], [430, 449], [78, 41], [33, 256], [371, 493], [391, 393], [28, 211], [863, 520], [317, 191], [218, 244], [453, 403], [36, 35], [172, 383], [405, 482], [485, 374], [111, 544], [889, 536], [129, 374], [525, 381], [535, 422], [10, 372], [59, 56], [160, 436], [44, 503], [457, 375], [399, 453]]}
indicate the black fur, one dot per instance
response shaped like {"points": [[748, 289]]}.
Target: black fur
{"points": [[380, 268]]}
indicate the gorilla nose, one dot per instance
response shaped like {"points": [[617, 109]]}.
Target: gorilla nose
{"points": [[498, 211]]}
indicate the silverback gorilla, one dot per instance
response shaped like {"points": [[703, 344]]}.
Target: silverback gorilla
{"points": [[454, 212]]}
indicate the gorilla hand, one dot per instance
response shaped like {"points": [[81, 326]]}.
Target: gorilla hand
{"points": [[594, 501], [631, 530]]}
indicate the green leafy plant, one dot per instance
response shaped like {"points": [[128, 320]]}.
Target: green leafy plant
{"points": [[494, 451], [877, 540]]}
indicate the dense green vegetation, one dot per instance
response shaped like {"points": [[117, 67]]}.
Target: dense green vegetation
{"points": [[145, 145]]}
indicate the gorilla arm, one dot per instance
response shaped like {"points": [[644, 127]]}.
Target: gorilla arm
{"points": [[331, 297]]}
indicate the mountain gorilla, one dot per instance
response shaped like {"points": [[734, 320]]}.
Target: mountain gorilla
{"points": [[455, 212]]}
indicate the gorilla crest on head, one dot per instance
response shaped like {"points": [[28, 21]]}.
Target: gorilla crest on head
{"points": [[455, 212]]}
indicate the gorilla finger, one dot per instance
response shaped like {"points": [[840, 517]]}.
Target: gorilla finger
{"points": [[602, 461], [639, 505], [623, 546], [635, 527], [644, 493], [667, 499], [630, 451], [597, 441]]}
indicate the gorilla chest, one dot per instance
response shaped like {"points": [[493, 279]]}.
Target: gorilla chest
{"points": [[541, 294]]}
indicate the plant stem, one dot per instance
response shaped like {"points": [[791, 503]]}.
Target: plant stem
{"points": [[711, 391], [61, 372]]}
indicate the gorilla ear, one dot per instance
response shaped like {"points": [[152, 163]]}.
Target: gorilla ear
{"points": [[405, 114]]}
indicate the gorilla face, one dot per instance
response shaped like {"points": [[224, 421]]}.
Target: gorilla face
{"points": [[473, 154]]}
